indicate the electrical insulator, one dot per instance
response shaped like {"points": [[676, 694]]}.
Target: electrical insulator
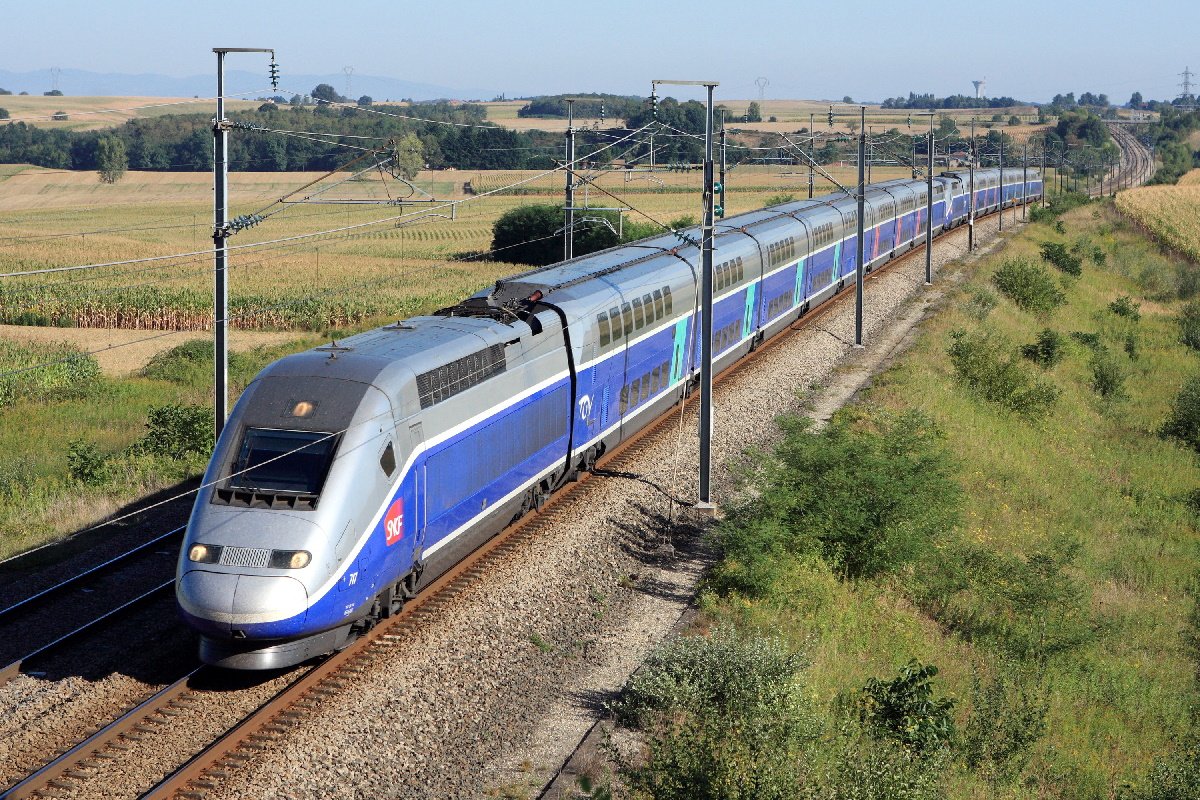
{"points": [[602, 112], [274, 72], [910, 120], [719, 212], [831, 116]]}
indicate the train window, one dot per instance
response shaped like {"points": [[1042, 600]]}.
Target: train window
{"points": [[741, 273], [387, 461], [639, 320], [659, 311], [602, 324], [667, 299], [635, 392], [624, 399], [648, 304], [666, 373], [655, 377], [614, 322], [283, 461], [627, 313]]}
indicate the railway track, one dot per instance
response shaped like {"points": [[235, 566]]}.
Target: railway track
{"points": [[268, 711], [60, 614]]}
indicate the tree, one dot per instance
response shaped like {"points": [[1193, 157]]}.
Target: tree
{"points": [[326, 93], [53, 93], [946, 127], [111, 159], [365, 100], [1135, 101], [410, 156], [1014, 120], [847, 99], [5, 91], [3, 113], [754, 113]]}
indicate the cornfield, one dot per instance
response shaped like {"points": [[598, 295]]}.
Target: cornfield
{"points": [[1171, 213]]}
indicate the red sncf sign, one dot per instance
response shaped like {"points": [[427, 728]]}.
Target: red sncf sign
{"points": [[393, 522]]}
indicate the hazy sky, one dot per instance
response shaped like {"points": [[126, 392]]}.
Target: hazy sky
{"points": [[1026, 49]]}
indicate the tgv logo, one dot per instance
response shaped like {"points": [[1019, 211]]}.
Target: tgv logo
{"points": [[585, 407]]}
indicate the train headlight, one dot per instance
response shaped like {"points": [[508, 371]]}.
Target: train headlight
{"points": [[290, 559], [204, 553]]}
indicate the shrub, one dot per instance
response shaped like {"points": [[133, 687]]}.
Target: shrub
{"points": [[1183, 423], [866, 497], [1189, 325], [1047, 351], [177, 430], [904, 709], [1124, 306], [780, 199], [191, 364], [86, 463], [724, 717], [988, 366], [1058, 255], [1108, 377], [1131, 346], [1028, 285], [1175, 776], [1030, 607], [45, 372], [1007, 718], [982, 302], [1088, 340]]}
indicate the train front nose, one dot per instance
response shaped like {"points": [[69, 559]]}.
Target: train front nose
{"points": [[234, 605]]}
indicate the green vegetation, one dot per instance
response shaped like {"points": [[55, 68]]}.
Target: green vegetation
{"points": [[1029, 285], [533, 234], [79, 445], [44, 372], [1053, 584]]}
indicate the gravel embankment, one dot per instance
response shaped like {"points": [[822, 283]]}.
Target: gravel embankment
{"points": [[496, 692]]}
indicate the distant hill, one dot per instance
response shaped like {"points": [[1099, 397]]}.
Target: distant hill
{"points": [[82, 82]]}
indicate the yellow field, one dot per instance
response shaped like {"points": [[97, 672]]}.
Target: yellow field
{"points": [[791, 115], [1172, 213], [400, 266], [95, 113]]}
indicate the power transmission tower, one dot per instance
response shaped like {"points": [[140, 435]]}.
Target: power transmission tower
{"points": [[762, 84], [349, 72], [1186, 100]]}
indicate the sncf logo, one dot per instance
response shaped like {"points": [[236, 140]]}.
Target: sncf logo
{"points": [[393, 522]]}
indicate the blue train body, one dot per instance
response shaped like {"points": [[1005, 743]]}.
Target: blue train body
{"points": [[350, 475]]}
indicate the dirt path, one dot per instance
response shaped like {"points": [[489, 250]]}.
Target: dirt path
{"points": [[121, 352]]}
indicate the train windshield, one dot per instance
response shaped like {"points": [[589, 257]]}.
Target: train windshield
{"points": [[283, 461]]}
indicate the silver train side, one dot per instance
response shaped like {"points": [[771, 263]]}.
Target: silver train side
{"points": [[350, 475]]}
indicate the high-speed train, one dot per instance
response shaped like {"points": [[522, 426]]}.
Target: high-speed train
{"points": [[352, 474]]}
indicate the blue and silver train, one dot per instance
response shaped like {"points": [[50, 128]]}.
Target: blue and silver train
{"points": [[352, 474]]}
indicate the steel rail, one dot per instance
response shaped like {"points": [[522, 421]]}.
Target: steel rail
{"points": [[89, 573], [12, 670]]}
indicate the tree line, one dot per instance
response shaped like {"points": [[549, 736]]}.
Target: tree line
{"points": [[183, 142]]}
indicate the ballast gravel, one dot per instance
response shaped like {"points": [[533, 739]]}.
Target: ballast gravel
{"points": [[489, 697]]}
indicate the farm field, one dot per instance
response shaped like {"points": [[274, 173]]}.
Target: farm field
{"points": [[396, 266], [791, 115], [1171, 213], [97, 113]]}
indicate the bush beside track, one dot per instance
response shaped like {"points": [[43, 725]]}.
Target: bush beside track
{"points": [[1048, 573]]}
